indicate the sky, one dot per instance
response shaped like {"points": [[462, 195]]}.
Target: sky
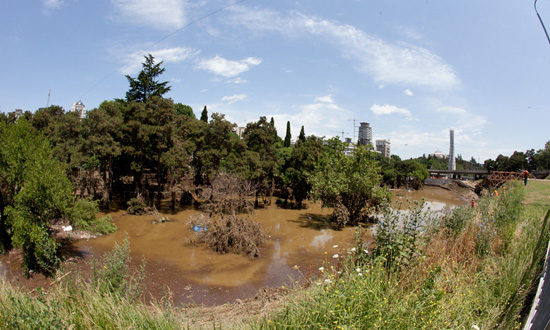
{"points": [[411, 69]]}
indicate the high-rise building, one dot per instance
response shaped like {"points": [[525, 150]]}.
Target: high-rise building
{"points": [[80, 108], [383, 147], [452, 162], [365, 134]]}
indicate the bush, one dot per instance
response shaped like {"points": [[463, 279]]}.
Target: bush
{"points": [[83, 216], [112, 273], [137, 206]]}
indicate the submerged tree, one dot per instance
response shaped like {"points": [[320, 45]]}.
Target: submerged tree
{"points": [[146, 85], [349, 184]]}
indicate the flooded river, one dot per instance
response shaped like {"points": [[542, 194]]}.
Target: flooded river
{"points": [[195, 274]]}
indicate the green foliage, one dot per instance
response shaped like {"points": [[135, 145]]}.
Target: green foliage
{"points": [[35, 191], [457, 221], [299, 166], [112, 273], [145, 85], [350, 184], [82, 216], [400, 235], [184, 110]]}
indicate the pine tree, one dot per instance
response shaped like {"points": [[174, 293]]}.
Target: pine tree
{"points": [[145, 85]]}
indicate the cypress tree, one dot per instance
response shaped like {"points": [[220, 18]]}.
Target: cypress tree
{"points": [[302, 136], [288, 136], [204, 115]]}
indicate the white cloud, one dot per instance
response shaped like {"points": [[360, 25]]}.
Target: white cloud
{"points": [[237, 80], [384, 61], [320, 118], [226, 68], [52, 4], [234, 98], [160, 14], [387, 109], [167, 55], [462, 120], [408, 92], [325, 99]]}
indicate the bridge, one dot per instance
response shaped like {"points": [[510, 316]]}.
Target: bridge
{"points": [[477, 174]]}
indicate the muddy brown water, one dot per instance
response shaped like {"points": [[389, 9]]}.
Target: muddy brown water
{"points": [[299, 240]]}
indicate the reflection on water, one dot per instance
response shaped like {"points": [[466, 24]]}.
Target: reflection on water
{"points": [[299, 239]]}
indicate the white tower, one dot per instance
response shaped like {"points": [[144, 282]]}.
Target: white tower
{"points": [[452, 162]]}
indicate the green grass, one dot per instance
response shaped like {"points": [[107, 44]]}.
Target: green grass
{"points": [[449, 285]]}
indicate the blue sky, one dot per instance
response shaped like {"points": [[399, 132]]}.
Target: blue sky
{"points": [[412, 69]]}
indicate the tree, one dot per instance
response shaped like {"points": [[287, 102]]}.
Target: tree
{"points": [[349, 184], [260, 140], [302, 136], [102, 138], [299, 167], [184, 110], [288, 135], [33, 192], [146, 85], [204, 115]]}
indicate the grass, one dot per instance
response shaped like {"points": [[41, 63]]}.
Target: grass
{"points": [[450, 284], [467, 274]]}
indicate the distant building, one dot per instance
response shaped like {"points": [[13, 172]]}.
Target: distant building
{"points": [[439, 154], [350, 147], [79, 108], [365, 134], [18, 113], [452, 162], [239, 131], [383, 147]]}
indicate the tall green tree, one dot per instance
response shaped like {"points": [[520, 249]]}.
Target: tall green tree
{"points": [[260, 140], [103, 139], [34, 191], [204, 115], [146, 84], [302, 136], [288, 135]]}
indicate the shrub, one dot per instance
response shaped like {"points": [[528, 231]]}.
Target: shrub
{"points": [[83, 216], [137, 206], [111, 274]]}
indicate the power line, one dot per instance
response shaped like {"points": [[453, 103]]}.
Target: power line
{"points": [[159, 41], [541, 22]]}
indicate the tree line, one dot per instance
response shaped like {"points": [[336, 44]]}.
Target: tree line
{"points": [[56, 165]]}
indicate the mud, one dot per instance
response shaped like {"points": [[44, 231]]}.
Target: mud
{"points": [[194, 274]]}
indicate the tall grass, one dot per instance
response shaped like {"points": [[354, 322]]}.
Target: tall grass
{"points": [[474, 272]]}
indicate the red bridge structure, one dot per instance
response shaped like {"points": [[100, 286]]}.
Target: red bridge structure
{"points": [[497, 178]]}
